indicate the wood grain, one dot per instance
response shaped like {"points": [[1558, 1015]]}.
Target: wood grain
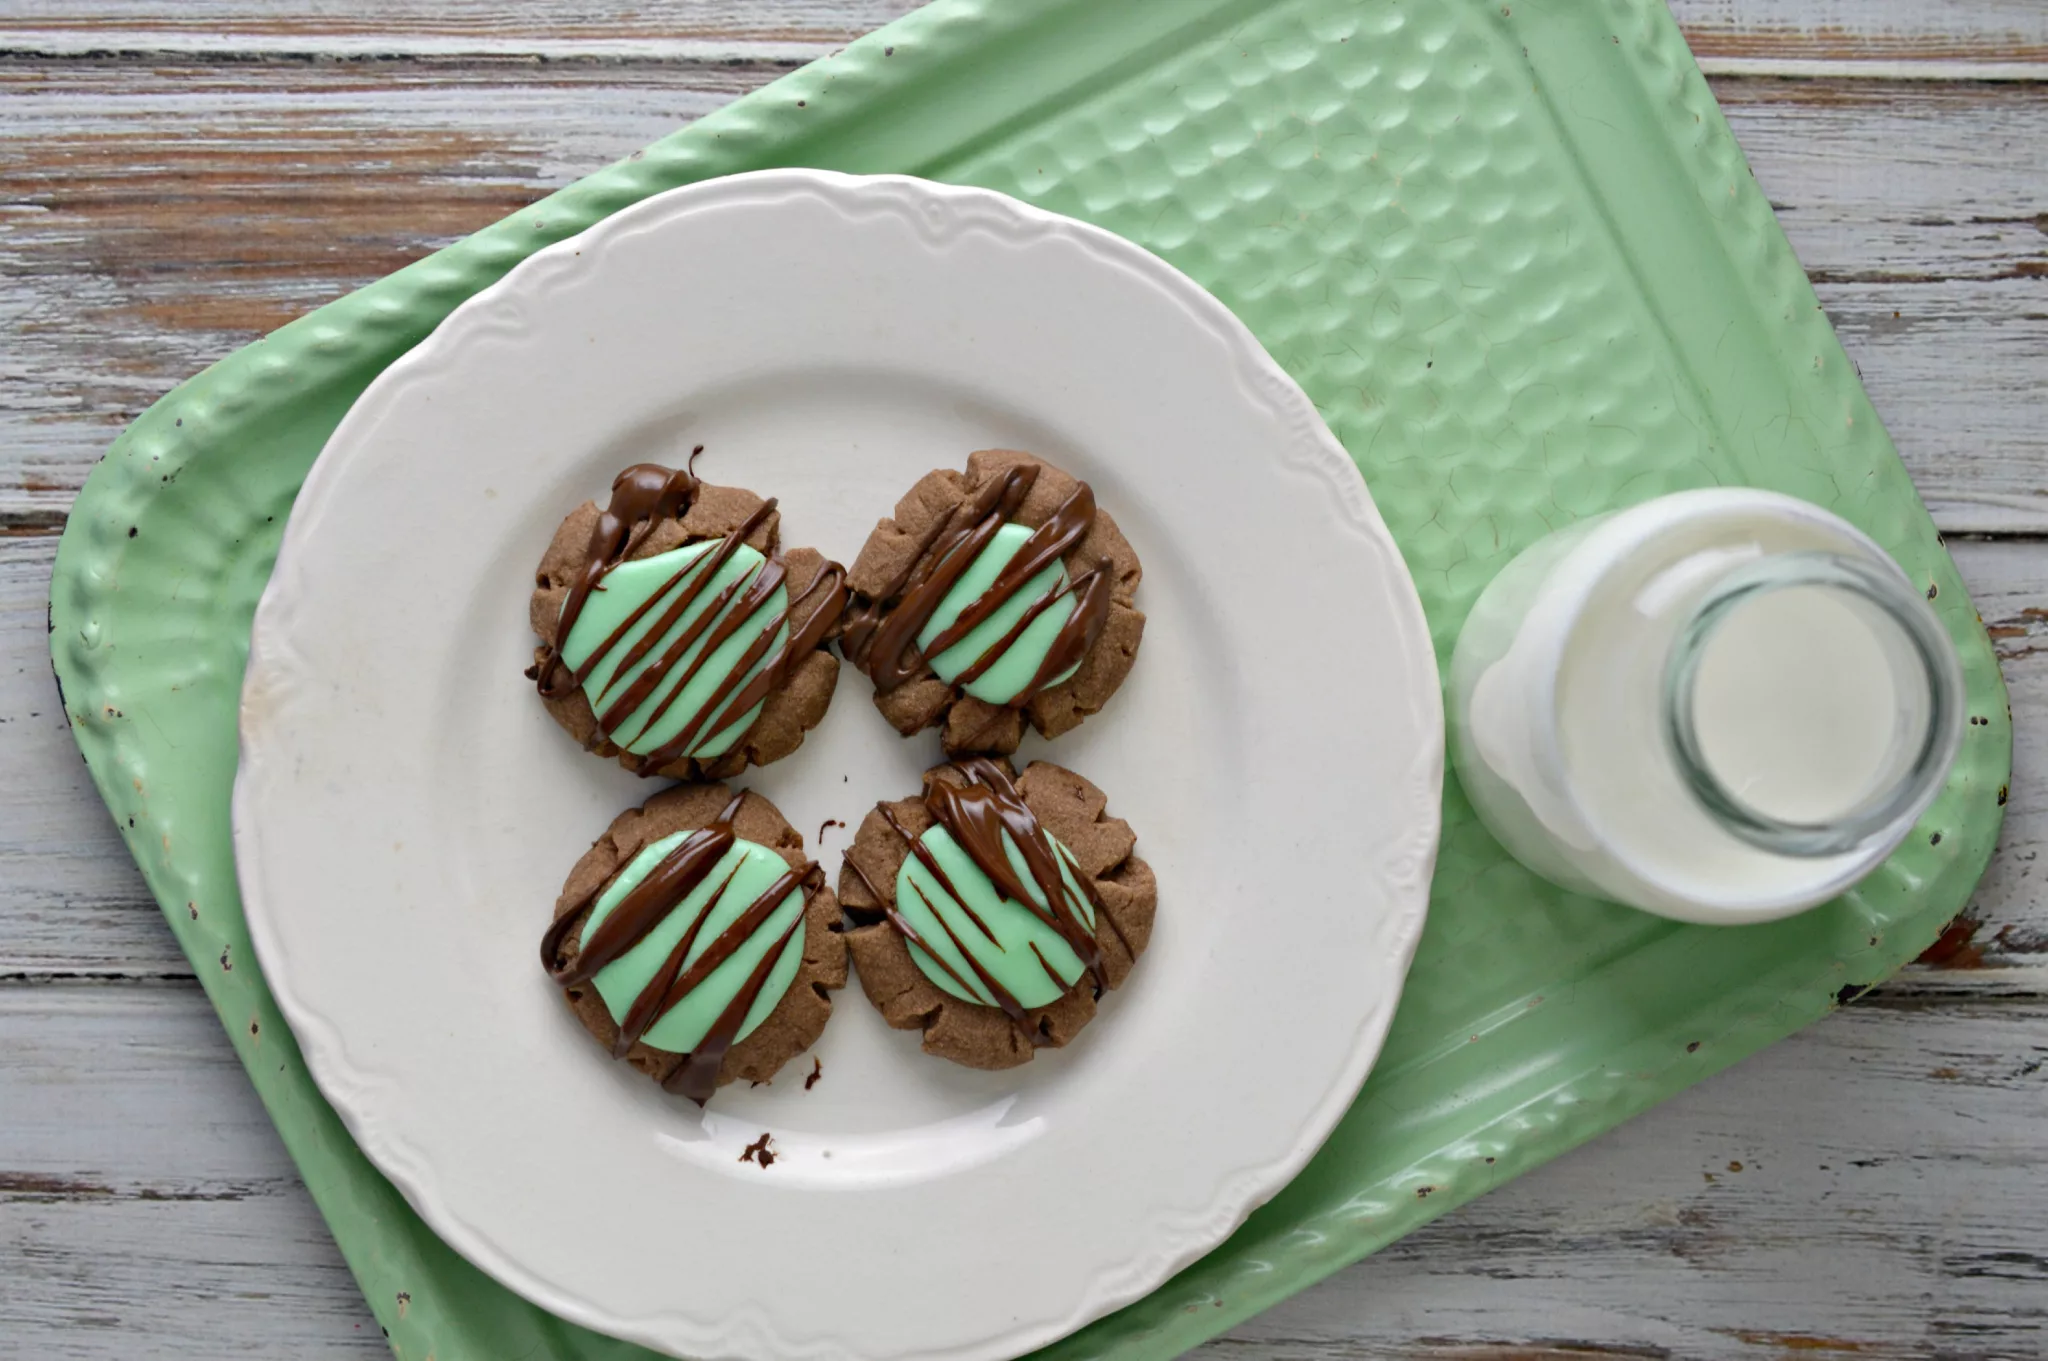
{"points": [[160, 218], [1925, 31], [155, 216], [2001, 31], [71, 899], [145, 1201], [1739, 1221], [1804, 1202], [558, 29]]}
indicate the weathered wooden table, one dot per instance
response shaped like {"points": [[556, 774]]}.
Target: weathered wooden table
{"points": [[177, 178]]}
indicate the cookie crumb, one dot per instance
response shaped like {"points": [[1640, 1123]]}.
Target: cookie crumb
{"points": [[759, 1151], [817, 1068]]}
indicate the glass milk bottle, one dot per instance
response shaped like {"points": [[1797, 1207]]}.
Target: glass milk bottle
{"points": [[1720, 706]]}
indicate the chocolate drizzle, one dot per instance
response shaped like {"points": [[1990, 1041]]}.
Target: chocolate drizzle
{"points": [[881, 635], [643, 908], [981, 813], [641, 494], [646, 494]]}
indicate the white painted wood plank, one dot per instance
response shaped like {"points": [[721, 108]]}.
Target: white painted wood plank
{"points": [[1830, 156], [1956, 372], [2000, 943], [1871, 1188], [146, 1205], [115, 1279], [158, 217], [1883, 182], [556, 28], [1922, 215], [1916, 69], [1837, 30], [71, 900], [1888, 1202], [1866, 30]]}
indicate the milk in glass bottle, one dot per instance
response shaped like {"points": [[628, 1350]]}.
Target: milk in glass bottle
{"points": [[1721, 706]]}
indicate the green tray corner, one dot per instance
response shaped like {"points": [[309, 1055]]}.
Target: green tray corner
{"points": [[1512, 252]]}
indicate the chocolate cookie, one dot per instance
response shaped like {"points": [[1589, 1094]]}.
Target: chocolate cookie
{"points": [[696, 942], [993, 596], [677, 635], [994, 909]]}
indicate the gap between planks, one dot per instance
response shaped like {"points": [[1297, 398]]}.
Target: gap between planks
{"points": [[1800, 68], [1966, 39], [145, 46], [200, 48]]}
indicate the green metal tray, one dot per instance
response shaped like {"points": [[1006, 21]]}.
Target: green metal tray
{"points": [[1511, 250]]}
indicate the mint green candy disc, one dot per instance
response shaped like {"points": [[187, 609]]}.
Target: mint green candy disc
{"points": [[743, 874], [655, 722], [1006, 679], [1015, 940]]}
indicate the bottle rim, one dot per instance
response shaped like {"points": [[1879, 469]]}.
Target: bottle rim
{"points": [[1883, 811]]}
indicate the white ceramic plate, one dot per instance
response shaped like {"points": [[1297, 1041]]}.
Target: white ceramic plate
{"points": [[405, 811]]}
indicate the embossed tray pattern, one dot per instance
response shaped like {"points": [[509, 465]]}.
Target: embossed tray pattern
{"points": [[1514, 255]]}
